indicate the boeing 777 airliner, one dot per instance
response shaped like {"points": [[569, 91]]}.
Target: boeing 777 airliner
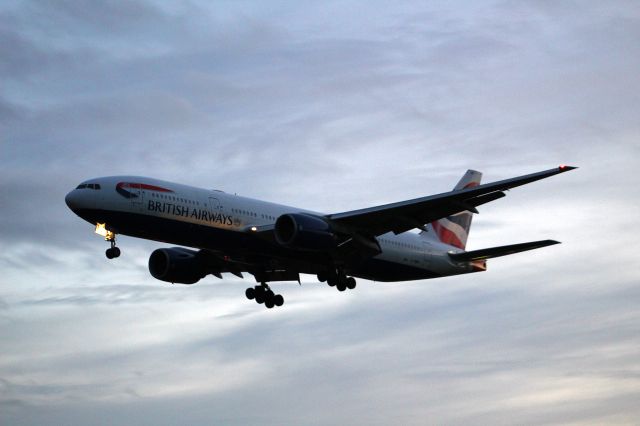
{"points": [[273, 242]]}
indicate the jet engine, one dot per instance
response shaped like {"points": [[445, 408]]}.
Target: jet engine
{"points": [[304, 232], [177, 265]]}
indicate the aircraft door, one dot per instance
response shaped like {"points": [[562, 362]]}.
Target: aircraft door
{"points": [[214, 206], [136, 196], [215, 210]]}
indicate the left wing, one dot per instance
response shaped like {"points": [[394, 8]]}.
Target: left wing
{"points": [[262, 269], [405, 215], [488, 253]]}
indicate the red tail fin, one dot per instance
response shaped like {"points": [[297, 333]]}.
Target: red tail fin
{"points": [[454, 229]]}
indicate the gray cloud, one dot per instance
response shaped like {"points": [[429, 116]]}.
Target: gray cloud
{"points": [[332, 107], [463, 339]]}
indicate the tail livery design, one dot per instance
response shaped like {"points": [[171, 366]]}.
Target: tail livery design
{"points": [[454, 229]]}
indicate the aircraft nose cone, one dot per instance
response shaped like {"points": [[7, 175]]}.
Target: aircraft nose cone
{"points": [[71, 200]]}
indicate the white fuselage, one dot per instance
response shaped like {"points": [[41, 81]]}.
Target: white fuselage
{"points": [[214, 220]]}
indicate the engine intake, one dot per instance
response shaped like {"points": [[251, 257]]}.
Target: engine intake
{"points": [[304, 232], [177, 265]]}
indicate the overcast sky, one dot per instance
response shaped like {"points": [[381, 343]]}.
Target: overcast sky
{"points": [[332, 106]]}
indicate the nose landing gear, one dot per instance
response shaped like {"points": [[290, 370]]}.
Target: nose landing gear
{"points": [[113, 251]]}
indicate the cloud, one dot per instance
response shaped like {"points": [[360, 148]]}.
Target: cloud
{"points": [[331, 107], [474, 353]]}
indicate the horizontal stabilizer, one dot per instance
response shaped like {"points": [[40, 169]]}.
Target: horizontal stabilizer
{"points": [[500, 251]]}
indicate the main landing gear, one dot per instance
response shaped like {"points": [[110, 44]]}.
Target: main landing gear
{"points": [[263, 294], [338, 279]]}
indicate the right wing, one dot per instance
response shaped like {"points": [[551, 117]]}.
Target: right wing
{"points": [[405, 215]]}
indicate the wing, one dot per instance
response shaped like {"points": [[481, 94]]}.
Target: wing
{"points": [[264, 269], [488, 253], [405, 215]]}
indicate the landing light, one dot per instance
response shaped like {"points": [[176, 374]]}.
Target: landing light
{"points": [[101, 229], [254, 229]]}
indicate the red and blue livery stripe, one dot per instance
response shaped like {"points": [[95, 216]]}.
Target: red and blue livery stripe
{"points": [[122, 188]]}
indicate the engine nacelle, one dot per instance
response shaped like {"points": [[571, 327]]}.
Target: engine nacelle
{"points": [[304, 232], [177, 265]]}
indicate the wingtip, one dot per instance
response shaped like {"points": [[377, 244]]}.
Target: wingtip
{"points": [[565, 168]]}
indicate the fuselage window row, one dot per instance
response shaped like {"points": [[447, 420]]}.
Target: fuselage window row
{"points": [[179, 199]]}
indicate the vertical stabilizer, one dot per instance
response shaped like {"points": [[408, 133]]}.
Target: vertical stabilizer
{"points": [[454, 229]]}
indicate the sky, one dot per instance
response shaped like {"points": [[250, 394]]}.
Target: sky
{"points": [[330, 106]]}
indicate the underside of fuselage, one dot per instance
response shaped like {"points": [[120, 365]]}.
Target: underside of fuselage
{"points": [[246, 246]]}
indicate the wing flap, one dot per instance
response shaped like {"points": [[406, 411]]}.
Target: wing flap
{"points": [[488, 253]]}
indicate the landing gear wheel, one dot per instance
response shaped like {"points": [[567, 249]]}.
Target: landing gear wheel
{"points": [[351, 283], [250, 293], [278, 300], [341, 286], [332, 281], [269, 299], [263, 294], [113, 251]]}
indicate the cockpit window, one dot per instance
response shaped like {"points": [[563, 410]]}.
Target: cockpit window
{"points": [[88, 185]]}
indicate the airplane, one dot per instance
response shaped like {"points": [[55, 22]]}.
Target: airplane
{"points": [[274, 242]]}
